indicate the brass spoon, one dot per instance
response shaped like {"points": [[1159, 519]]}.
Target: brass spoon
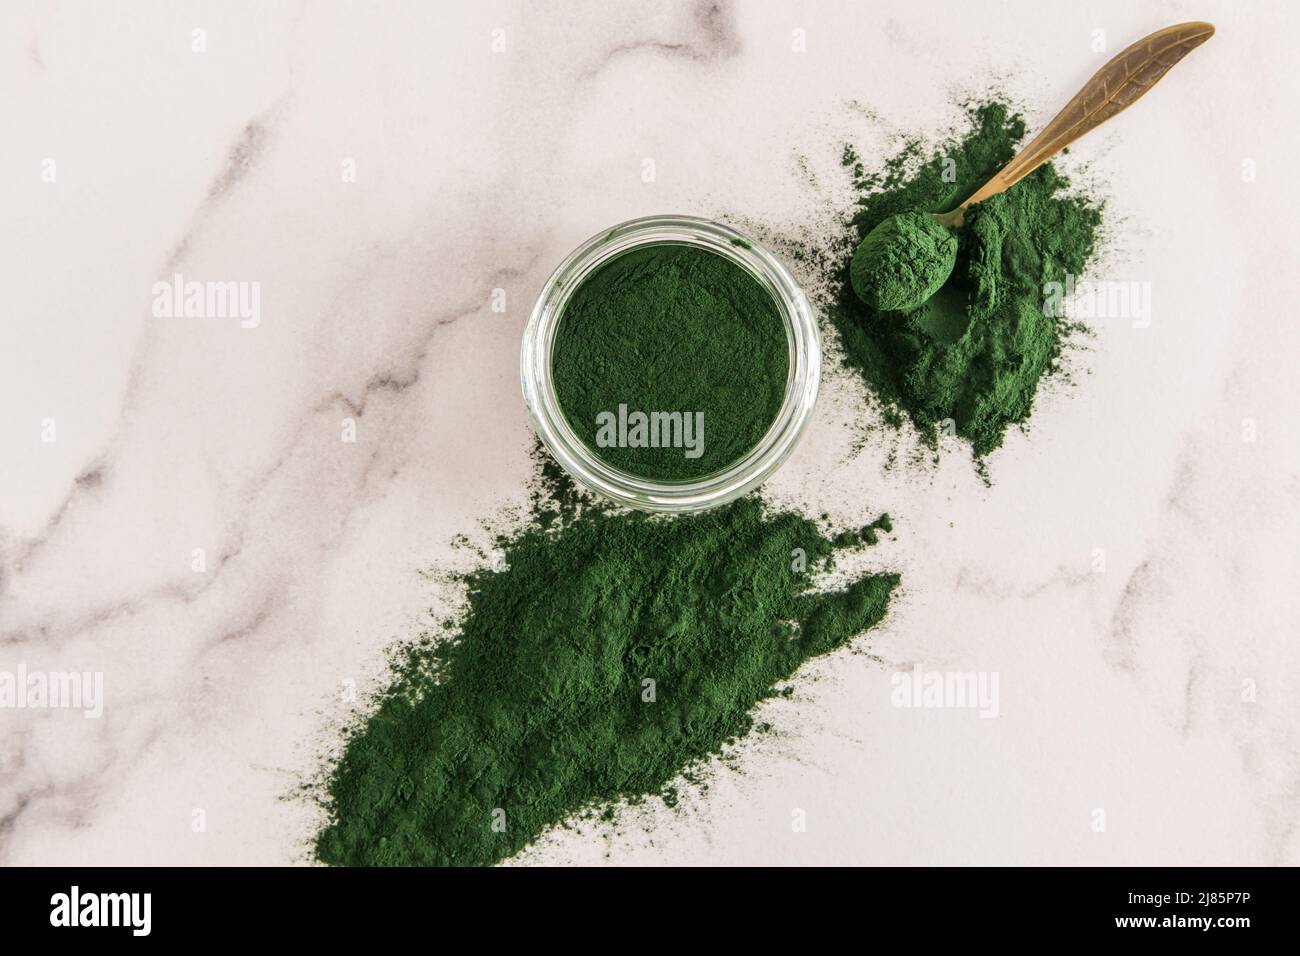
{"points": [[919, 269], [1114, 88]]}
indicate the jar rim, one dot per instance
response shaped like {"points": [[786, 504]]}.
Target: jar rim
{"points": [[695, 494]]}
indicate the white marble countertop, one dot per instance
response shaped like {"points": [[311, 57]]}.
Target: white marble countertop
{"points": [[378, 170]]}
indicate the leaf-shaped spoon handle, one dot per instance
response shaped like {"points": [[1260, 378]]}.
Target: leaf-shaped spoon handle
{"points": [[1115, 87]]}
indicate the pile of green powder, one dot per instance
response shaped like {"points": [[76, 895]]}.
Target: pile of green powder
{"points": [[970, 359], [611, 652], [671, 330]]}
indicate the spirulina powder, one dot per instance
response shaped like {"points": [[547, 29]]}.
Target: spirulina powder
{"points": [[968, 361], [609, 653], [670, 362]]}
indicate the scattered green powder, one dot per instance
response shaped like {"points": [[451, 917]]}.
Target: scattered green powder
{"points": [[871, 533], [902, 262], [671, 329], [868, 535], [610, 653], [975, 352]]}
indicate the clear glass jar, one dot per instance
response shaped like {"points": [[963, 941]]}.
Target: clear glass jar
{"points": [[697, 494]]}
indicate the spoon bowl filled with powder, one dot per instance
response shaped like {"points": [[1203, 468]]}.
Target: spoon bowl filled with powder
{"points": [[671, 363]]}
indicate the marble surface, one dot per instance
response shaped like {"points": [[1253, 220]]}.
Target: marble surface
{"points": [[378, 170]]}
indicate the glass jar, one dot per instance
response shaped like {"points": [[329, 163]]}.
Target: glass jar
{"points": [[696, 494]]}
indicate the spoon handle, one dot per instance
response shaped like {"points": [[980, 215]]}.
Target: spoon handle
{"points": [[1115, 87]]}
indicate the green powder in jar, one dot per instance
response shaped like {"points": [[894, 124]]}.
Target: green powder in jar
{"points": [[670, 362]]}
